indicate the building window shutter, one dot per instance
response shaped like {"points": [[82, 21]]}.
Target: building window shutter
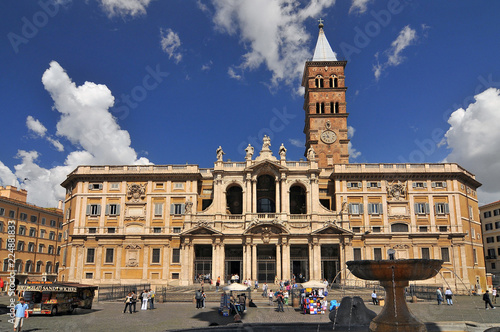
{"points": [[370, 208], [90, 186], [99, 209], [415, 206], [446, 208], [107, 210], [425, 184], [361, 208], [433, 184], [414, 184], [348, 185], [427, 210], [380, 208], [172, 208], [117, 209], [444, 184], [379, 184], [88, 209], [100, 186], [349, 207], [183, 208]]}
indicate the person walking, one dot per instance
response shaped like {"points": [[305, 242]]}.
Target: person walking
{"points": [[280, 300], [374, 298], [256, 284], [264, 290], [134, 300], [270, 294], [128, 303], [487, 300], [439, 295], [197, 297], [21, 313], [494, 295], [448, 296], [203, 298], [144, 300]]}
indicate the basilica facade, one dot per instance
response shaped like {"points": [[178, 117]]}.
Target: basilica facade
{"points": [[268, 217]]}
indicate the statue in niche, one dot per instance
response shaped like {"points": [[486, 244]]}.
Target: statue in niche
{"points": [[220, 153], [266, 143], [188, 207], [249, 150], [311, 155], [282, 152]]}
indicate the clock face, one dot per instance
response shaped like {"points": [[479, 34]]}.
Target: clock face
{"points": [[328, 136]]}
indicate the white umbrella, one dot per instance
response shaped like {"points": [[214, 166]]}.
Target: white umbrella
{"points": [[236, 287], [313, 284]]}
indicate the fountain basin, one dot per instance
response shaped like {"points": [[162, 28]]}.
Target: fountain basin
{"points": [[395, 270]]}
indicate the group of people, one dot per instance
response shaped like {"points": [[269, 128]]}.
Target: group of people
{"points": [[200, 297], [147, 297], [448, 296]]}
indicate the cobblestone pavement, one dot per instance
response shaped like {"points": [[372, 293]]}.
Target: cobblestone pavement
{"points": [[109, 316]]}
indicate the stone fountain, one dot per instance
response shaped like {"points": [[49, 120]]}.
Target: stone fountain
{"points": [[394, 276]]}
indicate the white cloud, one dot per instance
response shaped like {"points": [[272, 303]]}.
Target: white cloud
{"points": [[297, 142], [474, 136], [353, 153], [207, 66], [7, 177], [36, 126], [232, 74], [170, 43], [59, 147], [359, 6], [406, 37], [85, 122], [124, 7], [272, 31]]}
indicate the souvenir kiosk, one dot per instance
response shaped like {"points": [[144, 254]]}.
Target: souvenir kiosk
{"points": [[313, 298]]}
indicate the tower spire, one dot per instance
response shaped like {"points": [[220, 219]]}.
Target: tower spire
{"points": [[323, 50]]}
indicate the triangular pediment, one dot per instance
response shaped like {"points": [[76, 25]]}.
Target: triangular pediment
{"points": [[332, 229], [266, 164], [201, 230]]}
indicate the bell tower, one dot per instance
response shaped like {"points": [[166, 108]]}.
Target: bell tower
{"points": [[324, 104]]}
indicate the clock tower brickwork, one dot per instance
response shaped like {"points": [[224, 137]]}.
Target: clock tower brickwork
{"points": [[325, 108]]}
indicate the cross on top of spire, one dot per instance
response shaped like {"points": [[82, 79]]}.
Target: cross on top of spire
{"points": [[320, 23]]}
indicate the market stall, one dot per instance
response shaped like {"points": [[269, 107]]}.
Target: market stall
{"points": [[313, 297], [231, 302]]}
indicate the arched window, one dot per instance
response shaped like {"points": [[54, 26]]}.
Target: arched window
{"points": [[48, 268], [5, 265], [266, 194], [234, 200], [335, 82], [318, 82], [399, 227], [28, 267], [56, 268], [334, 107], [19, 265], [38, 267], [320, 108], [297, 200]]}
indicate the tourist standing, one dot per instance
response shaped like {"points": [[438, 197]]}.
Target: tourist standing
{"points": [[280, 300], [270, 294], [217, 284], [144, 300], [374, 298], [448, 296], [256, 284], [197, 297], [439, 295], [285, 296], [151, 299], [21, 313], [203, 298], [128, 303], [494, 295], [487, 300], [264, 290], [134, 300]]}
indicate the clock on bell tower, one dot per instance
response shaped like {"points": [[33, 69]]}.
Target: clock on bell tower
{"points": [[325, 107]]}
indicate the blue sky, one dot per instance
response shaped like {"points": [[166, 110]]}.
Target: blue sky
{"points": [[167, 82]]}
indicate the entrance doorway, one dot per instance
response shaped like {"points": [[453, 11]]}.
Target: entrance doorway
{"points": [[266, 263], [330, 262], [233, 262], [202, 262], [299, 262]]}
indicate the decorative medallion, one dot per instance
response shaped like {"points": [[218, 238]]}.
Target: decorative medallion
{"points": [[136, 192], [396, 191]]}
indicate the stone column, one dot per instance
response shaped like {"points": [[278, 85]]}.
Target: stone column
{"points": [[215, 260], [222, 262], [278, 261], [190, 262], [278, 191], [254, 261], [254, 195], [247, 260], [311, 261], [286, 259]]}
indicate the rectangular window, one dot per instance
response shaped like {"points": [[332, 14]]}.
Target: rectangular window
{"points": [[422, 229], [178, 185], [90, 255], [155, 258], [439, 184], [110, 255], [43, 221], [354, 184], [52, 223], [422, 208], [95, 186], [490, 239], [40, 248], [426, 253], [176, 255], [33, 218], [93, 210], [175, 275], [377, 254], [375, 208], [496, 212], [443, 228], [89, 275], [357, 254], [493, 266], [488, 227], [158, 209], [52, 236], [445, 254], [376, 229], [419, 185], [159, 185], [498, 238], [498, 251], [23, 216], [177, 209], [113, 209], [474, 255], [497, 224], [442, 208], [59, 237], [12, 214], [42, 233], [22, 230], [51, 250], [176, 229], [92, 230], [374, 184], [20, 246], [31, 247], [115, 186], [487, 214], [356, 229], [156, 229], [111, 230], [355, 208], [32, 232], [2, 211], [491, 254]]}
